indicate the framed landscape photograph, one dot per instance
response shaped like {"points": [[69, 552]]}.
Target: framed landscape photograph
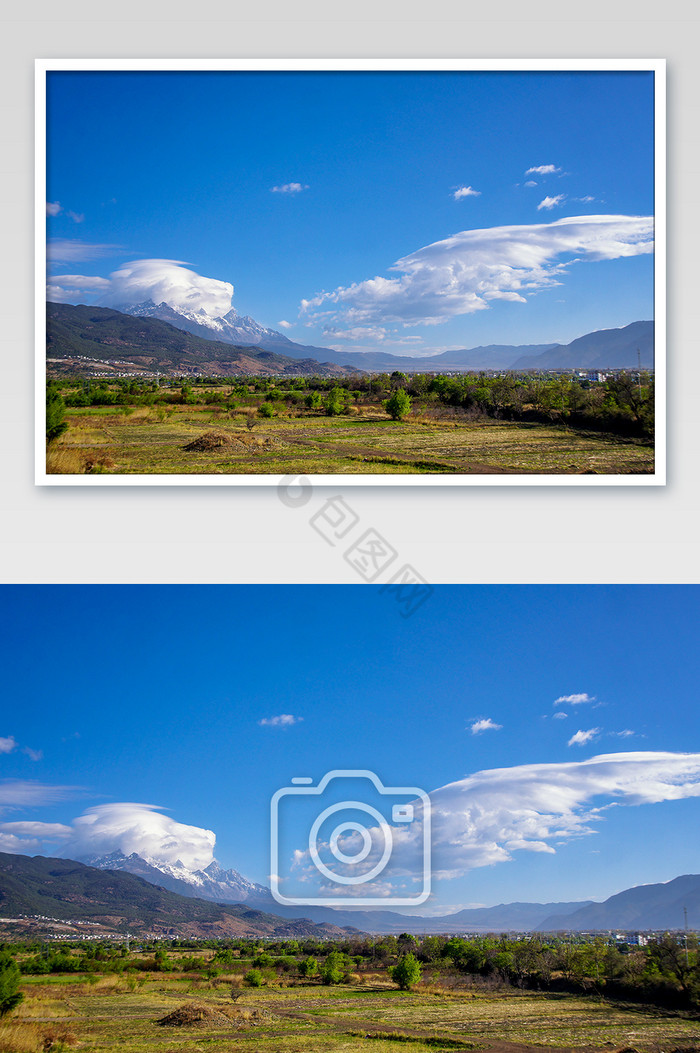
{"points": [[359, 271]]}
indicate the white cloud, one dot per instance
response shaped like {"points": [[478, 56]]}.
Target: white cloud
{"points": [[70, 250], [582, 737], [288, 188], [551, 202], [77, 217], [34, 755], [24, 793], [466, 272], [573, 700], [7, 745], [465, 191], [484, 725], [358, 332], [72, 286], [163, 281], [53, 208], [560, 715], [531, 182], [586, 199], [284, 720], [121, 827], [285, 325], [622, 734], [486, 817], [542, 170]]}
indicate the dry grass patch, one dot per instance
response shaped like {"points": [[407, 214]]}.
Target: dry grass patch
{"points": [[18, 1037], [62, 460]]}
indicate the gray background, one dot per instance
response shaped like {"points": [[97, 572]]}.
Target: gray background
{"points": [[488, 534]]}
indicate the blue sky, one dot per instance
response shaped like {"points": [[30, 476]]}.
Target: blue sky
{"points": [[173, 697], [303, 190]]}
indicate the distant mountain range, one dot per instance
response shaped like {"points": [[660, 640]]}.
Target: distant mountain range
{"points": [[604, 349], [644, 907], [157, 338], [110, 338], [67, 890]]}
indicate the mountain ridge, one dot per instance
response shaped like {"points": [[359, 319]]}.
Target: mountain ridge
{"points": [[68, 890], [515, 916], [600, 349], [102, 334]]}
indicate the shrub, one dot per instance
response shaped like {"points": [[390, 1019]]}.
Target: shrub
{"points": [[10, 995], [398, 405], [55, 414], [266, 410], [406, 972], [253, 978]]}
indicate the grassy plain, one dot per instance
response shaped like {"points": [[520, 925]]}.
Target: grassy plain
{"points": [[112, 1012], [152, 440]]}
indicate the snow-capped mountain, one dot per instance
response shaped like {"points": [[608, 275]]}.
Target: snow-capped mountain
{"points": [[233, 328], [214, 883]]}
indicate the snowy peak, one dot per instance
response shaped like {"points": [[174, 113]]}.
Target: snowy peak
{"points": [[232, 327], [214, 883]]}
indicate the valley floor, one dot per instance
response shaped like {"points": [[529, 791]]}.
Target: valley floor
{"points": [[119, 1013], [150, 441]]}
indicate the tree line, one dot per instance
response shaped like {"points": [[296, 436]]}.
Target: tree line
{"points": [[666, 971]]}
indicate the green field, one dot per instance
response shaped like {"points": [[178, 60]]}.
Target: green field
{"points": [[152, 440], [61, 1012]]}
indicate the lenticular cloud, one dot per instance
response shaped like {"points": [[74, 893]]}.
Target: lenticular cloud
{"points": [[125, 827], [170, 282], [482, 819], [465, 272]]}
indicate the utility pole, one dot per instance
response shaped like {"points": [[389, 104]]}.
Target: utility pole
{"points": [[685, 915], [639, 372]]}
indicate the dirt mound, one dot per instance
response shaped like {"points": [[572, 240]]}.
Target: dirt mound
{"points": [[198, 1014], [211, 440], [195, 1014]]}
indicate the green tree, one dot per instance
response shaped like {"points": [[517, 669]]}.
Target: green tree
{"points": [[10, 996], [253, 978], [335, 402], [309, 967], [398, 405], [406, 972], [55, 413], [266, 410], [334, 969]]}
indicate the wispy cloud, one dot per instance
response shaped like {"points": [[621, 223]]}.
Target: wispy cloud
{"points": [[465, 191], [468, 271], [484, 725], [542, 170], [573, 700], [70, 250], [53, 208], [22, 793], [283, 324], [560, 715], [551, 202], [77, 217], [9, 744], [284, 720], [531, 182], [622, 734], [289, 188], [582, 737]]}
